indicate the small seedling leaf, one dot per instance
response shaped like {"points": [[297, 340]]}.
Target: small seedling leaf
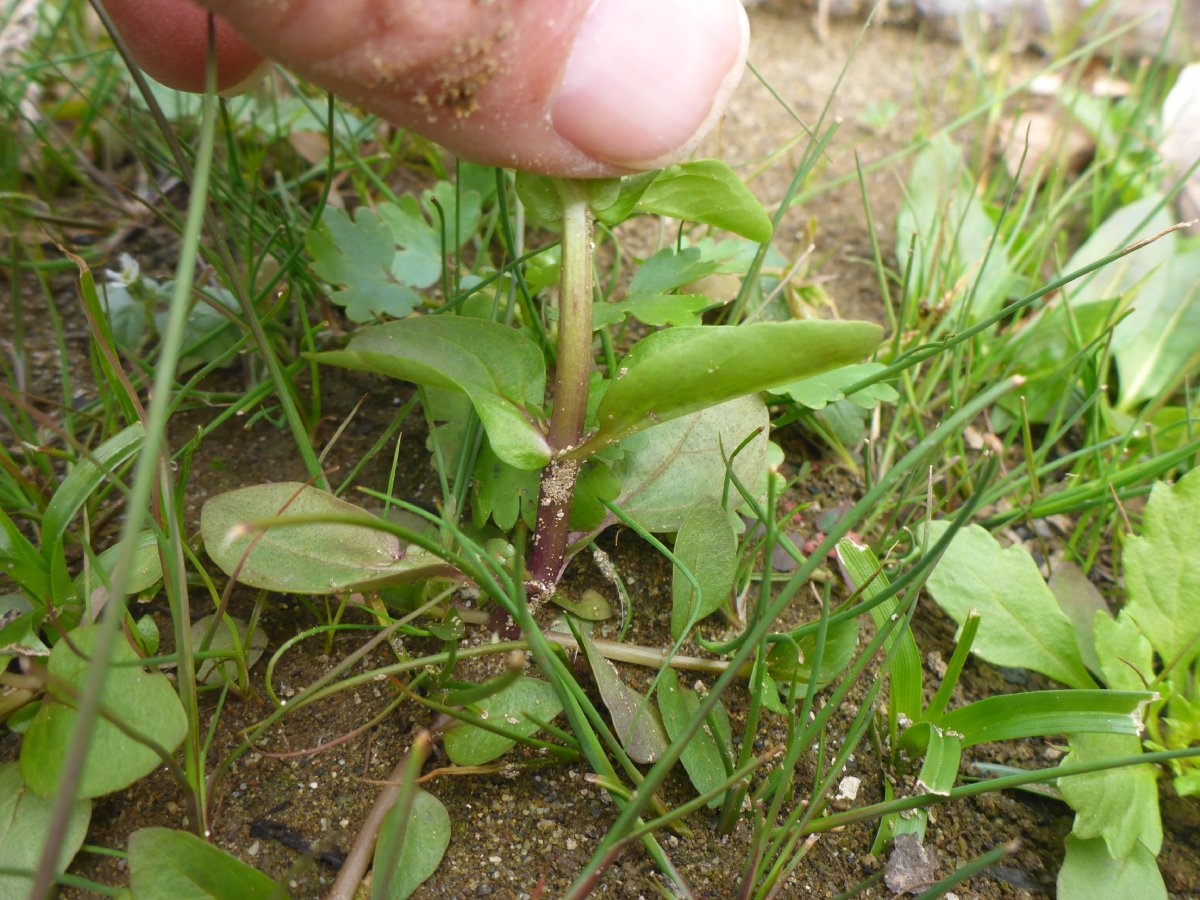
{"points": [[1021, 624], [310, 557], [426, 837], [634, 718], [165, 864], [230, 637], [709, 192], [591, 606], [498, 368], [683, 370], [706, 546], [679, 464], [702, 757], [25, 823], [1161, 573], [145, 703], [517, 708], [1118, 805], [1089, 870]]}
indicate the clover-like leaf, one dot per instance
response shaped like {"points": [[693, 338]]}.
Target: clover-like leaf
{"points": [[1161, 574], [360, 255]]}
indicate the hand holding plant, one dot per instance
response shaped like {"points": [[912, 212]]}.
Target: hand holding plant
{"points": [[574, 89]]}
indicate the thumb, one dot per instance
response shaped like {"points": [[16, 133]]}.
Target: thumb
{"points": [[576, 88]]}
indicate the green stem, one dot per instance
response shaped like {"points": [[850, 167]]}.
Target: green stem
{"points": [[571, 377]]}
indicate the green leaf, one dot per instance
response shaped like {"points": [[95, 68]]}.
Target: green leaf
{"points": [[310, 557], [1010, 717], [1021, 624], [418, 261], [670, 269], [230, 637], [143, 702], [1047, 347], [209, 335], [1080, 602], [517, 708], [596, 483], [613, 210], [165, 864], [635, 720], [709, 192], [702, 757], [818, 391], [682, 370], [426, 837], [21, 561], [652, 309], [1126, 657], [540, 196], [497, 367], [1089, 871], [85, 477], [591, 605], [1138, 220], [1118, 805], [360, 256], [460, 205], [145, 571], [680, 463], [1161, 571], [25, 823], [1155, 346], [953, 233], [939, 770], [791, 663], [864, 571], [706, 546]]}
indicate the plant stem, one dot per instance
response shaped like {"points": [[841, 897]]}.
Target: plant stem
{"points": [[571, 377]]}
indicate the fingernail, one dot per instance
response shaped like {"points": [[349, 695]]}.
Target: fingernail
{"points": [[645, 81]]}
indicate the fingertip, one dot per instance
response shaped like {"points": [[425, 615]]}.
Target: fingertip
{"points": [[169, 41], [646, 81]]}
